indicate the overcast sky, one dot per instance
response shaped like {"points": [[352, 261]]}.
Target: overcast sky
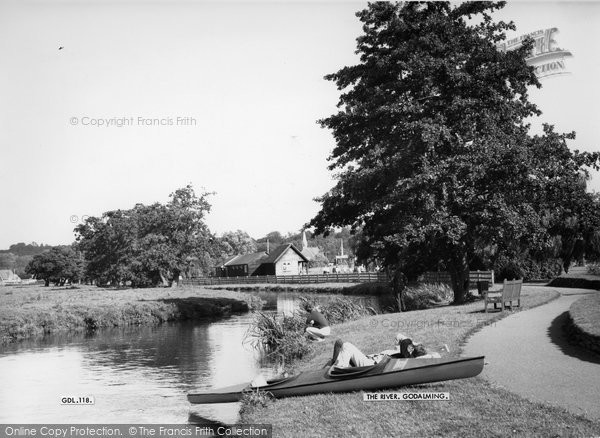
{"points": [[236, 88]]}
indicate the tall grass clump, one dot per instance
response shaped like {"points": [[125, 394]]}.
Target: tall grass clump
{"points": [[283, 337], [340, 309], [279, 337], [254, 398], [426, 295]]}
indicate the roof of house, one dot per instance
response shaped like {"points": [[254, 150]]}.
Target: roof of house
{"points": [[311, 252], [226, 260], [278, 252], [246, 259], [262, 257]]}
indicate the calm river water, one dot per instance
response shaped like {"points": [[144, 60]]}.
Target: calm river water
{"points": [[135, 374]]}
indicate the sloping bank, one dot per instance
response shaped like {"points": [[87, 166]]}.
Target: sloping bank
{"points": [[35, 311], [583, 326], [475, 408]]}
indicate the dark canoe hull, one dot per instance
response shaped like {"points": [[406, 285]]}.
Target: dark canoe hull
{"points": [[391, 373]]}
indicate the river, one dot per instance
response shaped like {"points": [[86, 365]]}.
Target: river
{"points": [[134, 374]]}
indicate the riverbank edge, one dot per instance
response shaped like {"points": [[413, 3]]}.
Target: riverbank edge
{"points": [[579, 329], [249, 415], [25, 323], [373, 288]]}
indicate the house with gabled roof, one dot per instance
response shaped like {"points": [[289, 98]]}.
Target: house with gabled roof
{"points": [[284, 260]]}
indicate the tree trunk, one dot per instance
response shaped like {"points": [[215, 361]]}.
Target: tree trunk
{"points": [[163, 279], [566, 254], [176, 275], [398, 283], [459, 274]]}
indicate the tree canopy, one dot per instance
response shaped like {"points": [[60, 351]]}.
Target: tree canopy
{"points": [[237, 242], [149, 244], [59, 264], [434, 157]]}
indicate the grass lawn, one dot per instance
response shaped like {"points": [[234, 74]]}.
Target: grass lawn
{"points": [[27, 311], [585, 312], [476, 408]]}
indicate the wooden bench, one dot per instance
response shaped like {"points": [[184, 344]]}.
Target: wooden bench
{"points": [[511, 291]]}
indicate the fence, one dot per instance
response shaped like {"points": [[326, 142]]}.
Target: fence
{"points": [[362, 277], [444, 277]]}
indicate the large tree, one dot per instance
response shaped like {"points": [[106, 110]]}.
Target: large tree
{"points": [[58, 265], [433, 155], [149, 244]]}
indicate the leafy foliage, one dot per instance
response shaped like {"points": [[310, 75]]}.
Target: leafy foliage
{"points": [[149, 244], [60, 264], [24, 249], [434, 159], [593, 269], [526, 268], [19, 255], [237, 242]]}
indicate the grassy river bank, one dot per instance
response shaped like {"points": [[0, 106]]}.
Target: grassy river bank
{"points": [[28, 311], [476, 408]]}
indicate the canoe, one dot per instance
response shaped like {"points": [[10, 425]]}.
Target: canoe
{"points": [[391, 372]]}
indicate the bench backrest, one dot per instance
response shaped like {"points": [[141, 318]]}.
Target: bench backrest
{"points": [[512, 289]]}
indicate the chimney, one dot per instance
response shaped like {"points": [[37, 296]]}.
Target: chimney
{"points": [[304, 241], [267, 247]]}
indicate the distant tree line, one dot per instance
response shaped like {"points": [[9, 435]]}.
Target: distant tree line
{"points": [[18, 256], [156, 244]]}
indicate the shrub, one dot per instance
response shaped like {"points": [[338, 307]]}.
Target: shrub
{"points": [[509, 270], [593, 269], [528, 269]]}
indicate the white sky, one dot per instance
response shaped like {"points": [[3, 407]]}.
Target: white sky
{"points": [[250, 74]]}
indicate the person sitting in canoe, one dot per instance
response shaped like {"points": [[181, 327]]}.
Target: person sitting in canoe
{"points": [[346, 354], [317, 326]]}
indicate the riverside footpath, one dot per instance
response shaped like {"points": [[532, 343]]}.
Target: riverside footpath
{"points": [[528, 353]]}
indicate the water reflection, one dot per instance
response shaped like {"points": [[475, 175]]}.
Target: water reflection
{"points": [[136, 374]]}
